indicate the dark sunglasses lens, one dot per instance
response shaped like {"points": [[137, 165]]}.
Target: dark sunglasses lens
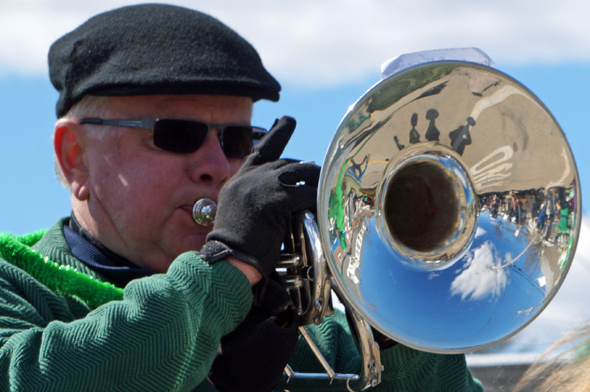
{"points": [[238, 141], [181, 136]]}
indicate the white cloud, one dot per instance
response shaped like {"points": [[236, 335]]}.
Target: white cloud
{"points": [[480, 279], [479, 232], [334, 41]]}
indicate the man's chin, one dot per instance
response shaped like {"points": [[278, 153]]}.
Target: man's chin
{"points": [[193, 242]]}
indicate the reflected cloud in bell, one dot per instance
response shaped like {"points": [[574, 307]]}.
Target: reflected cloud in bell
{"points": [[479, 232], [479, 278]]}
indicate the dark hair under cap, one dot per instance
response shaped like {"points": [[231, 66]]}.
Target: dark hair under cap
{"points": [[156, 49]]}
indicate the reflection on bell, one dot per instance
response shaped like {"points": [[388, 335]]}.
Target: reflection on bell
{"points": [[449, 197]]}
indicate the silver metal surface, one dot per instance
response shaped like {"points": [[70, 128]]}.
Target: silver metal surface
{"points": [[305, 273], [449, 207], [204, 212]]}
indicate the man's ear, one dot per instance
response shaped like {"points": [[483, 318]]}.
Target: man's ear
{"points": [[69, 142]]}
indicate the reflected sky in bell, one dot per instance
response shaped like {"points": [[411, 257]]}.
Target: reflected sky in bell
{"points": [[494, 286]]}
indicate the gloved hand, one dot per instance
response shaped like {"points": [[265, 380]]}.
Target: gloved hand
{"points": [[255, 206], [253, 357]]}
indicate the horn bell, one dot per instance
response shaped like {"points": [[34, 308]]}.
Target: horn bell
{"points": [[449, 207]]}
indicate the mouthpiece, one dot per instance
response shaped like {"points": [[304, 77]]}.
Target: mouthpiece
{"points": [[204, 211]]}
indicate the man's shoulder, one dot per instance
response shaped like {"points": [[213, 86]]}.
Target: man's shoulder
{"points": [[54, 247], [28, 271], [26, 258], [53, 242]]}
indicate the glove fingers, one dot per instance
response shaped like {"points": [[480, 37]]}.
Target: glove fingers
{"points": [[312, 175], [272, 295], [273, 144], [300, 173], [278, 164], [305, 199], [300, 180]]}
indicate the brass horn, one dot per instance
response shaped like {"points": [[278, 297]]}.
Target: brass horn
{"points": [[449, 211]]}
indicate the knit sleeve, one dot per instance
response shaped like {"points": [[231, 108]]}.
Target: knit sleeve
{"points": [[406, 370], [335, 342], [162, 336]]}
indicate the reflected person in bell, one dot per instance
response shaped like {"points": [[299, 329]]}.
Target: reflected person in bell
{"points": [[129, 293]]}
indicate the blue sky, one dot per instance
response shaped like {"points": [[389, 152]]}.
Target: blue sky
{"points": [[32, 198], [326, 54]]}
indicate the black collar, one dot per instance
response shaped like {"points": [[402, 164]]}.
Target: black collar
{"points": [[115, 268]]}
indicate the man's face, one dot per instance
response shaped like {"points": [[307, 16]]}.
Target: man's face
{"points": [[141, 197]]}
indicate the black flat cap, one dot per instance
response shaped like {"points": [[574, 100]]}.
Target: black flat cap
{"points": [[156, 49]]}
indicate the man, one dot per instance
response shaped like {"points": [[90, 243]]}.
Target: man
{"points": [[154, 113]]}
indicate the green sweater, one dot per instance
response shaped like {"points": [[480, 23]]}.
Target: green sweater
{"points": [[164, 333]]}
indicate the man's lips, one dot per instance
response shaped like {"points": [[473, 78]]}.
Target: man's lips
{"points": [[188, 209]]}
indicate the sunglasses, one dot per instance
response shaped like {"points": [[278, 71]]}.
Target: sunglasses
{"points": [[187, 136]]}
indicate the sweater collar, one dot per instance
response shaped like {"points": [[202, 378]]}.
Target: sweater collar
{"points": [[86, 248]]}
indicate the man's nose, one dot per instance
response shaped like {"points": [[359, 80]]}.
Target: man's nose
{"points": [[209, 163]]}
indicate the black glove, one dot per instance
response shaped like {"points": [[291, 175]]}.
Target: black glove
{"points": [[256, 205], [252, 357]]}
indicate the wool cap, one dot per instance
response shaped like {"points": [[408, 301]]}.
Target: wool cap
{"points": [[156, 49]]}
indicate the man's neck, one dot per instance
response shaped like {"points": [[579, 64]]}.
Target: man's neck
{"points": [[114, 257]]}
